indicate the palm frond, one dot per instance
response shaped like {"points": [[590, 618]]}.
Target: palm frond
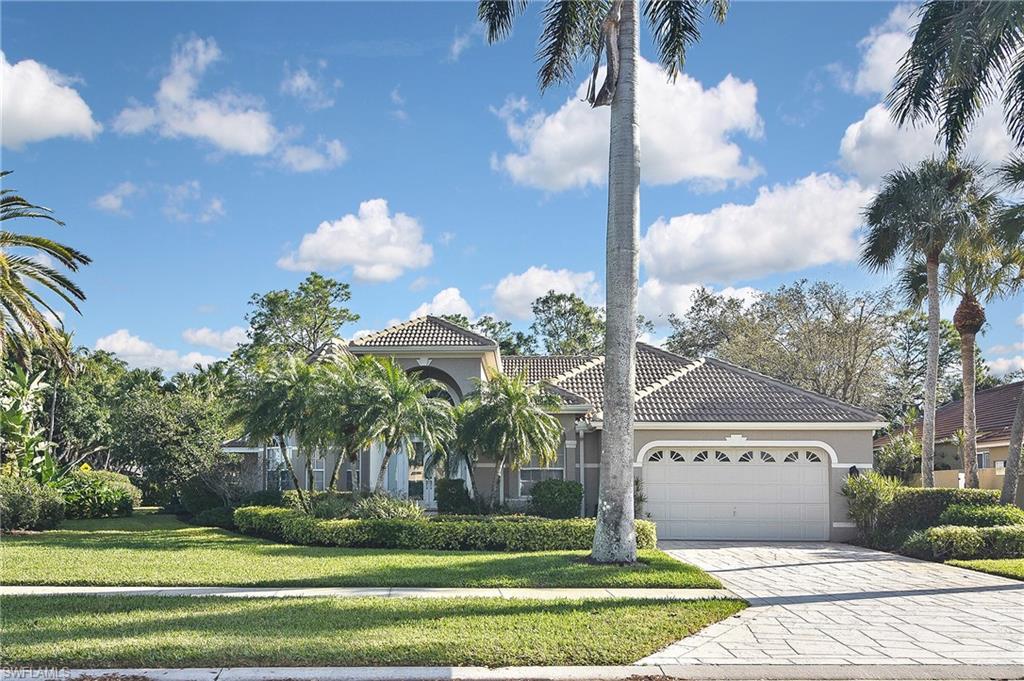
{"points": [[570, 28], [498, 16]]}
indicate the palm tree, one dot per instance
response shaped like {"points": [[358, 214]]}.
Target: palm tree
{"points": [[572, 30], [510, 421], [347, 395], [460, 451], [400, 410], [26, 319], [919, 212], [1012, 478]]}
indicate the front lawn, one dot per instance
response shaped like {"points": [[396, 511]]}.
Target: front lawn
{"points": [[1005, 567], [159, 550], [156, 631]]}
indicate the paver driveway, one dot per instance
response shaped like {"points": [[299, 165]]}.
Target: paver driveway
{"points": [[826, 603]]}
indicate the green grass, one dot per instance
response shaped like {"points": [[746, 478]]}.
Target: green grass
{"points": [[123, 631], [159, 550], [1005, 567]]}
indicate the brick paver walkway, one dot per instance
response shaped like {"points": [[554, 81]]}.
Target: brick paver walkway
{"points": [[836, 604]]}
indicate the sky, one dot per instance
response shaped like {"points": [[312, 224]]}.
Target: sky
{"points": [[204, 152]]}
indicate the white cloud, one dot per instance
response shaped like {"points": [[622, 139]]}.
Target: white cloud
{"points": [[398, 100], [516, 292], [463, 40], [143, 354], [687, 135], [1020, 320], [1004, 365], [325, 155], [447, 301], [446, 238], [309, 87], [225, 341], [813, 221], [113, 201], [881, 50], [658, 299], [231, 122], [185, 203], [1007, 349], [378, 245], [420, 283], [38, 103]]}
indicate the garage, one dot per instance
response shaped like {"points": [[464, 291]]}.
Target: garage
{"points": [[759, 493]]}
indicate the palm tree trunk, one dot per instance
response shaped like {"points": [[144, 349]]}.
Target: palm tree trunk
{"points": [[970, 449], [383, 470], [496, 483], [1012, 479], [931, 378], [615, 536], [337, 470], [291, 470]]}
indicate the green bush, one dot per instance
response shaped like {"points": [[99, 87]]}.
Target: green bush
{"points": [[195, 496], [914, 508], [114, 480], [216, 517], [265, 497], [868, 495], [331, 505], [89, 496], [981, 516], [556, 498], [534, 534], [453, 497], [382, 506], [27, 505], [963, 543]]}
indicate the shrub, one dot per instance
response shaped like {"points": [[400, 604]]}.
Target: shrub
{"points": [[216, 517], [453, 497], [981, 516], [532, 534], [900, 458], [914, 508], [266, 497], [195, 496], [961, 542], [556, 498], [385, 507], [89, 496], [916, 545], [331, 505], [27, 505], [114, 480], [869, 494]]}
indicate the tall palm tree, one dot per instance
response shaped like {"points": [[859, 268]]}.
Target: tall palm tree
{"points": [[510, 421], [400, 410], [571, 31], [919, 212], [348, 392], [1012, 477], [460, 451], [26, 318]]}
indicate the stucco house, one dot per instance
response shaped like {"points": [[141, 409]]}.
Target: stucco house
{"points": [[722, 452]]}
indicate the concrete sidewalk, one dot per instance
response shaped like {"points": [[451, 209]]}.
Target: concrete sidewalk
{"points": [[363, 592], [624, 673]]}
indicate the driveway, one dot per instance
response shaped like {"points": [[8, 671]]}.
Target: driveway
{"points": [[836, 604]]}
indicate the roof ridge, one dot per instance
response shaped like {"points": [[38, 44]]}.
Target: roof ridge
{"points": [[459, 328], [662, 382], [575, 371], [794, 389], [387, 329]]}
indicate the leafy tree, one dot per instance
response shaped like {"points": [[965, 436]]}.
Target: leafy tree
{"points": [[347, 394], [918, 213], [566, 325], [86, 404], [300, 322], [26, 319], [24, 449], [705, 326], [510, 341], [905, 360], [508, 419], [570, 31]]}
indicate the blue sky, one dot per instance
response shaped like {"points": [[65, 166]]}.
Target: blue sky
{"points": [[201, 152]]}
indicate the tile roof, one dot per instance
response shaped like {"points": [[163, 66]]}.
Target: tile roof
{"points": [[543, 367], [428, 331], [994, 409]]}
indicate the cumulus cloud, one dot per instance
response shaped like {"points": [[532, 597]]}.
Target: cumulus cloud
{"points": [[447, 301], [185, 202], [377, 245], [516, 292], [881, 52], [312, 88], [687, 134], [38, 103], [325, 155], [225, 341], [1004, 365], [658, 299], [113, 201], [142, 354], [788, 227]]}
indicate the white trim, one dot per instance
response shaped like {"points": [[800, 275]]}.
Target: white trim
{"points": [[754, 425], [242, 450], [418, 351], [847, 465], [735, 441], [843, 523]]}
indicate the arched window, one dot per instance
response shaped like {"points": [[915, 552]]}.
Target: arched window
{"points": [[746, 457], [767, 458], [792, 457], [701, 457], [676, 457], [721, 456], [813, 457], [656, 456]]}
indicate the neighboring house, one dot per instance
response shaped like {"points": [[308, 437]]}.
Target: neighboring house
{"points": [[994, 409], [722, 452]]}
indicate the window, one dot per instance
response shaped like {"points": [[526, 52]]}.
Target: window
{"points": [[277, 476], [791, 457], [984, 460], [319, 482], [701, 457], [528, 477], [767, 458], [676, 457], [746, 457], [812, 457], [657, 456], [721, 456]]}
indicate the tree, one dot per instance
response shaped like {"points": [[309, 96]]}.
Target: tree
{"points": [[566, 325], [510, 341], [1012, 479], [347, 396], [919, 212], [570, 30], [26, 319], [300, 322], [905, 362], [508, 419], [706, 324], [401, 410]]}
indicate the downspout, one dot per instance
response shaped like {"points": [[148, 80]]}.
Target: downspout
{"points": [[582, 459]]}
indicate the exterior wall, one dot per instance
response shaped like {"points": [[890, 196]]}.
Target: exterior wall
{"points": [[947, 458], [461, 369]]}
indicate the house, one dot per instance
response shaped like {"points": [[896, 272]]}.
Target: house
{"points": [[994, 409], [721, 452]]}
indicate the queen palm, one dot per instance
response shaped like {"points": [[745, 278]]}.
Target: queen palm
{"points": [[25, 315], [347, 394], [509, 420], [917, 213], [571, 31], [401, 410]]}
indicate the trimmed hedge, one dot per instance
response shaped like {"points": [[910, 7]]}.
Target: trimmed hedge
{"points": [[556, 498], [27, 505], [293, 527], [915, 508], [453, 497], [982, 516], [954, 541], [215, 517]]}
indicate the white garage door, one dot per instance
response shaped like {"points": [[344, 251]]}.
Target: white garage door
{"points": [[727, 493]]}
